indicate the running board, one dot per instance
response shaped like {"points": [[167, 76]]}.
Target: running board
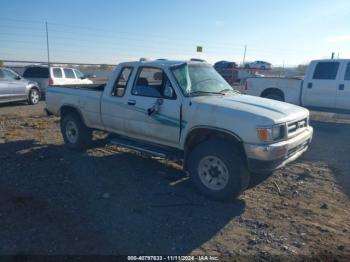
{"points": [[151, 149]]}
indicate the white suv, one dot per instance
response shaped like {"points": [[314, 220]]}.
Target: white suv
{"points": [[67, 76], [55, 76]]}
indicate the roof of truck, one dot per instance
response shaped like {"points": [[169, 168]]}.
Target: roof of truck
{"points": [[331, 60], [159, 62]]}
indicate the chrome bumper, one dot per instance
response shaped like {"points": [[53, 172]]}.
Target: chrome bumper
{"points": [[272, 156]]}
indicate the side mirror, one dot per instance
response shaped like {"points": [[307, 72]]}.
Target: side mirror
{"points": [[17, 77], [89, 76], [168, 91]]}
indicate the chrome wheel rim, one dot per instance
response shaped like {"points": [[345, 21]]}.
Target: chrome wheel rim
{"points": [[72, 132], [34, 96], [213, 173]]}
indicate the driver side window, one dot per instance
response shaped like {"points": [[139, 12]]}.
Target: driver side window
{"points": [[153, 82], [8, 75]]}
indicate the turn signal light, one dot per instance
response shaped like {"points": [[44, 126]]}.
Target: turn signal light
{"points": [[263, 134]]}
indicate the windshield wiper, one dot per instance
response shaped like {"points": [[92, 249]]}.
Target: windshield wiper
{"points": [[229, 90], [204, 92]]}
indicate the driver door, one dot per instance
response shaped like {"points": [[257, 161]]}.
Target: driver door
{"points": [[153, 108], [5, 88], [16, 84]]}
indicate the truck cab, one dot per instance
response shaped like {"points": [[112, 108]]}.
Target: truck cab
{"points": [[327, 84]]}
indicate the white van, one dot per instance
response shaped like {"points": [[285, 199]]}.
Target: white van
{"points": [[67, 76]]}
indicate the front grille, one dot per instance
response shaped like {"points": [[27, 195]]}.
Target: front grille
{"points": [[295, 126]]}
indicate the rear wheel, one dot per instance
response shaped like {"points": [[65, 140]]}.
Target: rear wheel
{"points": [[76, 134], [34, 96], [218, 170], [274, 96]]}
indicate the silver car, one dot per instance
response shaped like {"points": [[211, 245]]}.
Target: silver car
{"points": [[15, 88]]}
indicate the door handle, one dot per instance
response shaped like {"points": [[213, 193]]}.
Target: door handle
{"points": [[341, 87], [132, 102], [309, 85]]}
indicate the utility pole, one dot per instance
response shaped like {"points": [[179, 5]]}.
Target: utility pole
{"points": [[245, 51], [332, 55], [47, 45]]}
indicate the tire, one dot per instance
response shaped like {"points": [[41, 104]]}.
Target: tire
{"points": [[34, 96], [220, 162], [77, 136], [274, 96]]}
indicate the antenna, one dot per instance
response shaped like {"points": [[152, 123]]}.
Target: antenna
{"points": [[47, 45]]}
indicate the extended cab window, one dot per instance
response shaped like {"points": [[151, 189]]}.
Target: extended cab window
{"points": [[69, 73], [326, 70], [153, 82], [57, 72], [122, 82], [347, 72]]}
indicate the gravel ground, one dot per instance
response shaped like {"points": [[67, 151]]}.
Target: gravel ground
{"points": [[113, 201]]}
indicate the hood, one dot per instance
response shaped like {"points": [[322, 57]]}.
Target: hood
{"points": [[276, 111]]}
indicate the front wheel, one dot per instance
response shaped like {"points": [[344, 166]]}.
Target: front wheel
{"points": [[34, 96], [76, 134], [218, 170]]}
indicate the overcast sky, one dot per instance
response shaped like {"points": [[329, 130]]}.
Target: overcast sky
{"points": [[290, 32]]}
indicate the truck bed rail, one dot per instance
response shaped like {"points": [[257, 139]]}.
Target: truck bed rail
{"points": [[92, 87]]}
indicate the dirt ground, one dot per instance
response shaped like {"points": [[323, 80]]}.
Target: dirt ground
{"points": [[112, 201]]}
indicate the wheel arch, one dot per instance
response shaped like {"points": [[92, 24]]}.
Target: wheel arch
{"points": [[67, 108], [200, 134], [36, 88], [273, 90]]}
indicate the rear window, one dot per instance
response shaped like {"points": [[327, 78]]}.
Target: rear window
{"points": [[69, 73], [347, 72], [36, 72], [57, 72], [326, 70]]}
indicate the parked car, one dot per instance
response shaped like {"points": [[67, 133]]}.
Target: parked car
{"points": [[228, 70], [55, 76], [15, 88], [258, 65], [224, 65], [326, 85], [185, 110]]}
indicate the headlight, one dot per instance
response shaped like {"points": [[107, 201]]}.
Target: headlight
{"points": [[266, 134]]}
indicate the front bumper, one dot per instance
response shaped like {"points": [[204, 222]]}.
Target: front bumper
{"points": [[266, 158]]}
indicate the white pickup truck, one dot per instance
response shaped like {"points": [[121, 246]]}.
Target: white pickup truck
{"points": [[185, 110], [326, 85]]}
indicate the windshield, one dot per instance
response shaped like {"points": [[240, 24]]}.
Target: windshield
{"points": [[78, 73], [199, 79]]}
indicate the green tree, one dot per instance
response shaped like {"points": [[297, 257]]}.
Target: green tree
{"points": [[1, 63]]}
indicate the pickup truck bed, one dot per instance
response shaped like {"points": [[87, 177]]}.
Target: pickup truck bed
{"points": [[88, 97], [288, 89]]}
